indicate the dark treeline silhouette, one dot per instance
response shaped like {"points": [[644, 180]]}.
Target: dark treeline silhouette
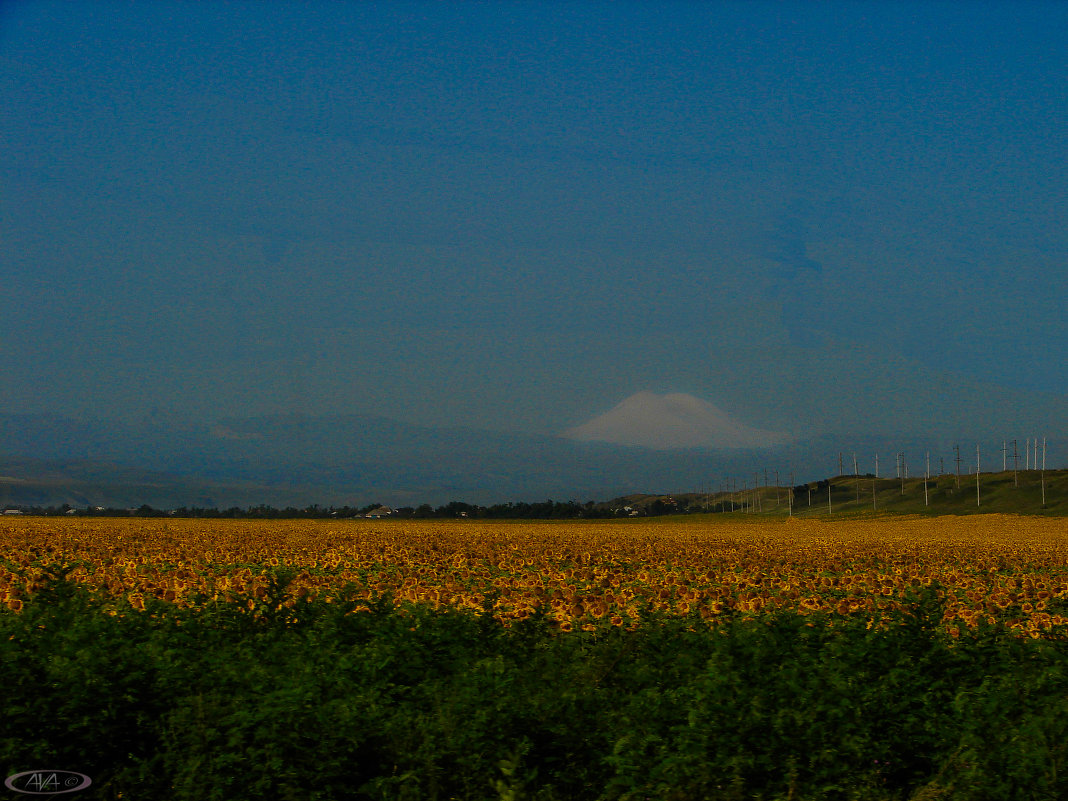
{"points": [[545, 510]]}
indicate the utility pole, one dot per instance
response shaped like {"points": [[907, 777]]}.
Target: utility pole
{"points": [[926, 475], [957, 449], [841, 470], [902, 471], [1004, 456], [1027, 455], [976, 476], [1043, 473], [1015, 465], [876, 465], [776, 489]]}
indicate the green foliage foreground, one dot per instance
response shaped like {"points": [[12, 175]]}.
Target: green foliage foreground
{"points": [[417, 704]]}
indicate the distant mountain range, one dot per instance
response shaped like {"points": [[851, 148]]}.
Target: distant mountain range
{"points": [[357, 459], [673, 422]]}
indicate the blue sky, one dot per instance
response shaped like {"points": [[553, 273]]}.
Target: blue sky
{"points": [[817, 216]]}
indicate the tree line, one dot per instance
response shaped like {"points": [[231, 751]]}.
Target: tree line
{"points": [[548, 509]]}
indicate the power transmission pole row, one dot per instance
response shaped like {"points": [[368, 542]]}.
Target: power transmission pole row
{"points": [[750, 500]]}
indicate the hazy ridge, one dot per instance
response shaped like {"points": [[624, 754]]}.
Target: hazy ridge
{"points": [[354, 460]]}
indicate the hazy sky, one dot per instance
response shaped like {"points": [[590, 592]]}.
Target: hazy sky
{"points": [[516, 215]]}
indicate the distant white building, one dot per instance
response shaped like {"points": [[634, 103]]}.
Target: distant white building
{"points": [[381, 511]]}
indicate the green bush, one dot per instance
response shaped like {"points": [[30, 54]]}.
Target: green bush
{"points": [[316, 703]]}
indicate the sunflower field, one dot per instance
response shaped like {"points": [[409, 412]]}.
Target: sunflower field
{"points": [[677, 658], [995, 568]]}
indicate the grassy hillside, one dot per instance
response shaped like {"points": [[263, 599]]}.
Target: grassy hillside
{"points": [[1000, 492]]}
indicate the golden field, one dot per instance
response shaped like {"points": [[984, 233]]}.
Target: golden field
{"points": [[989, 567]]}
